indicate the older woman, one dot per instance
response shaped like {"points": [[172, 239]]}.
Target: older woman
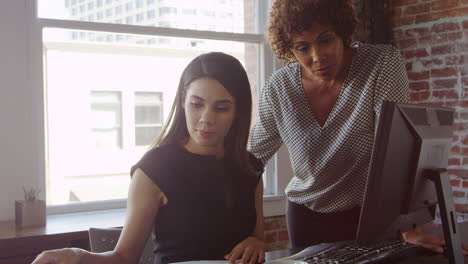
{"points": [[323, 106]]}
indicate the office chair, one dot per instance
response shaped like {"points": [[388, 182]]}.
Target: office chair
{"points": [[105, 239]]}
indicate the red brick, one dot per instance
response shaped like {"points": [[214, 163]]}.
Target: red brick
{"points": [[455, 183], [417, 76], [465, 140], [465, 24], [397, 22], [454, 162], [450, 13], [445, 27], [465, 151], [444, 49], [445, 94], [455, 59], [465, 184], [395, 12], [441, 38], [409, 66], [407, 43], [423, 18], [419, 86], [461, 208], [432, 62], [270, 237], [419, 96], [417, 9], [398, 34], [461, 127], [444, 84], [417, 32], [455, 150], [458, 194], [272, 225], [425, 40], [445, 72], [443, 4], [417, 53], [460, 173], [454, 36], [283, 236], [395, 3], [465, 81]]}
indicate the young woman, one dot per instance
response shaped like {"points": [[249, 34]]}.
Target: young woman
{"points": [[197, 188]]}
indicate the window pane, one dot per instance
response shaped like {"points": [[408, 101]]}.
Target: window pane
{"points": [[145, 136], [214, 15], [106, 101], [106, 119], [148, 109]]}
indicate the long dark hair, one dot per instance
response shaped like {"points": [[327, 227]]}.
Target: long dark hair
{"points": [[231, 74]]}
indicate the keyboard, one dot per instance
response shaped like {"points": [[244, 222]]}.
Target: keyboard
{"points": [[348, 252]]}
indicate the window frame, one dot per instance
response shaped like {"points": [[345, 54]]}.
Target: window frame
{"points": [[278, 168]]}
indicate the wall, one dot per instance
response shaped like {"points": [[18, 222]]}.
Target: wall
{"points": [[433, 38], [19, 109]]}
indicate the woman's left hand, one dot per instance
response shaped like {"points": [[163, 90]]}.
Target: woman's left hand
{"points": [[251, 250], [432, 242]]}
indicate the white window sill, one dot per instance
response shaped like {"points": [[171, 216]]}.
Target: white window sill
{"points": [[273, 205]]}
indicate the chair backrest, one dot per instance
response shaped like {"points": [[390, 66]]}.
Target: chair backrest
{"points": [[105, 239]]}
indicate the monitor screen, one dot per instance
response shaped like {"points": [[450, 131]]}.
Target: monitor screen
{"points": [[409, 140]]}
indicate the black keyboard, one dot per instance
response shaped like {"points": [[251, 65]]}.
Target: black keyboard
{"points": [[348, 252]]}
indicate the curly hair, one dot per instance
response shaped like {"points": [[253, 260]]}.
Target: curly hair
{"points": [[288, 17]]}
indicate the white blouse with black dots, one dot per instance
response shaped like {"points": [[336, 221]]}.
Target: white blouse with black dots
{"points": [[330, 163]]}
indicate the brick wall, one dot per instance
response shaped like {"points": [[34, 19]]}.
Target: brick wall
{"points": [[433, 38]]}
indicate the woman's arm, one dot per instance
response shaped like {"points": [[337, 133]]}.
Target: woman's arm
{"points": [[144, 200], [265, 139]]}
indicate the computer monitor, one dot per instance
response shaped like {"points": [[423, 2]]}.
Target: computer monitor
{"points": [[411, 146]]}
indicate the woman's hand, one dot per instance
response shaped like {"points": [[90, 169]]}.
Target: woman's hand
{"points": [[432, 242], [251, 250], [60, 256]]}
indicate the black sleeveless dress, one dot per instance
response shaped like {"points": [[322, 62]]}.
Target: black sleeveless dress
{"points": [[211, 204]]}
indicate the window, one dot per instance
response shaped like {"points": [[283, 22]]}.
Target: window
{"points": [[99, 3], [167, 11], [116, 85], [148, 117], [140, 17], [106, 109], [129, 20], [118, 10], [139, 3], [151, 14], [189, 12], [109, 12], [129, 6]]}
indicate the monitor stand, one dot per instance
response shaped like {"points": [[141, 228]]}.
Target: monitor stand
{"points": [[447, 215]]}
